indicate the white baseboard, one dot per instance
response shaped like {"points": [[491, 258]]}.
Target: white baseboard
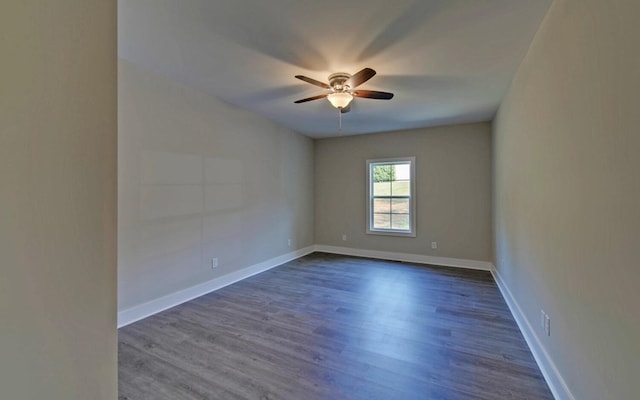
{"points": [[136, 313], [406, 257], [548, 368]]}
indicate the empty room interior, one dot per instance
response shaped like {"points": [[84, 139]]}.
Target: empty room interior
{"points": [[362, 199]]}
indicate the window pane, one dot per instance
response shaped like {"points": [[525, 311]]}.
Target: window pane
{"points": [[383, 172], [400, 188], [382, 221], [381, 188], [382, 206], [400, 206], [400, 221], [403, 172]]}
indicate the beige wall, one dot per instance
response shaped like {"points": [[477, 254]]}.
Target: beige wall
{"points": [[453, 176], [567, 193], [198, 179], [58, 336]]}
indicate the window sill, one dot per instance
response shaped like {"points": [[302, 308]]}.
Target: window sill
{"points": [[390, 233]]}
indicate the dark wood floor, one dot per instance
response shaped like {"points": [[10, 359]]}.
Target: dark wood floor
{"points": [[335, 327]]}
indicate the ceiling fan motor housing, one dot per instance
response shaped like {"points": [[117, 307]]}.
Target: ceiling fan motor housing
{"points": [[342, 85], [337, 80]]}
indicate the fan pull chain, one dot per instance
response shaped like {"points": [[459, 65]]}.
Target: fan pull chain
{"points": [[340, 121]]}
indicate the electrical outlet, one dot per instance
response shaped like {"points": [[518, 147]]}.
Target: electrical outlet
{"points": [[344, 237], [289, 242], [547, 325], [214, 263], [434, 245]]}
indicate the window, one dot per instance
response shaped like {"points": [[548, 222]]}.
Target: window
{"points": [[391, 197]]}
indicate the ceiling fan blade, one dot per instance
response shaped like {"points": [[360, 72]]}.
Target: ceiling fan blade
{"points": [[360, 77], [320, 96], [373, 94], [313, 81]]}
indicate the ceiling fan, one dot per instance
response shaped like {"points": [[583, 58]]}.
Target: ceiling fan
{"points": [[341, 89]]}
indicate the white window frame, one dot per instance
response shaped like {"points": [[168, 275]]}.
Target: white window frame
{"points": [[412, 197]]}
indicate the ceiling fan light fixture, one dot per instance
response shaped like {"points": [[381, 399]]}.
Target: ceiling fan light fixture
{"points": [[340, 99]]}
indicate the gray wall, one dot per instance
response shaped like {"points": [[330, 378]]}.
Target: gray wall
{"points": [[567, 193], [453, 176], [197, 179], [58, 119]]}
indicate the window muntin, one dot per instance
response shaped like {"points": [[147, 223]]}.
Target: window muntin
{"points": [[391, 196]]}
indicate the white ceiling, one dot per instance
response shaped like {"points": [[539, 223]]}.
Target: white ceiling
{"points": [[447, 61]]}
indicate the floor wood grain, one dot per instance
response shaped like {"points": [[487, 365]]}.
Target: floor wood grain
{"points": [[335, 327]]}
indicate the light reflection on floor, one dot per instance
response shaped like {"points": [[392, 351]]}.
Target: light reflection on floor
{"points": [[388, 317]]}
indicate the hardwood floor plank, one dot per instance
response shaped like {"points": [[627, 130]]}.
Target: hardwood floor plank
{"points": [[335, 327]]}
